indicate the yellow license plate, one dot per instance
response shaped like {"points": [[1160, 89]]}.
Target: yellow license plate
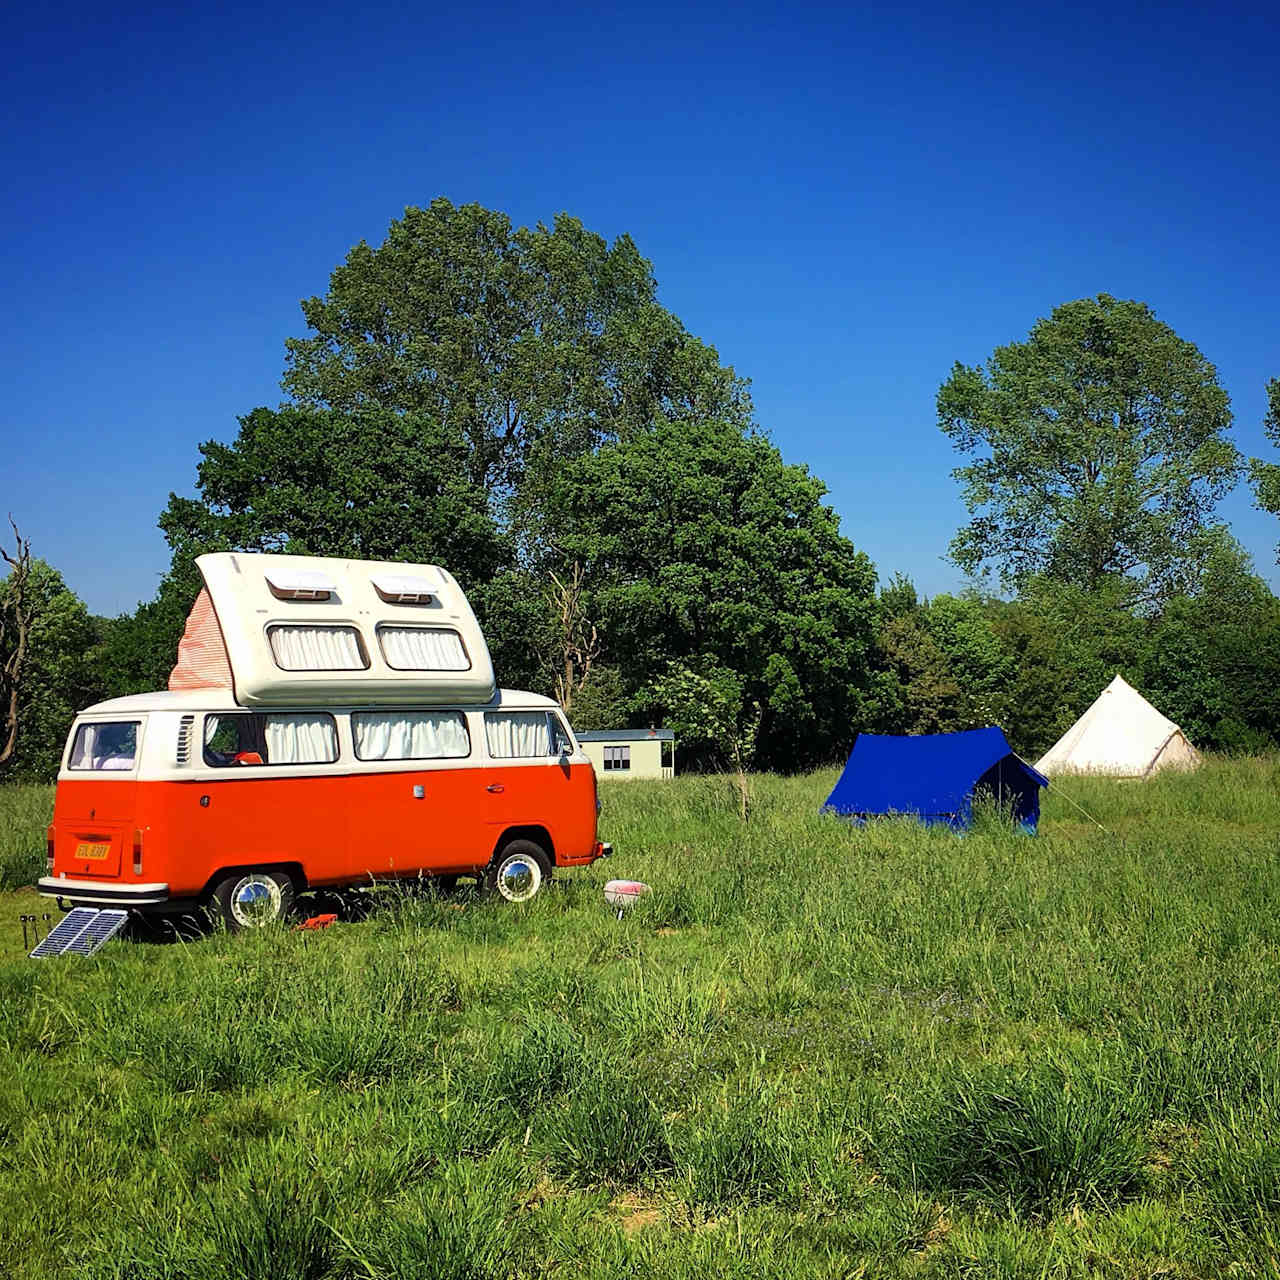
{"points": [[93, 850]]}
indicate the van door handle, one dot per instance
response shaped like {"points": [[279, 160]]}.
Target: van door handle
{"points": [[495, 787]]}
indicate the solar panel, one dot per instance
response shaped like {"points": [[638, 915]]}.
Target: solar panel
{"points": [[102, 928], [81, 931], [63, 932]]}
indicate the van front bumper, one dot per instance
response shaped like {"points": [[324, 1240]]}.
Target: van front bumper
{"points": [[99, 893]]}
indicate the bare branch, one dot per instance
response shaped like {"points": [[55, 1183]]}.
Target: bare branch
{"points": [[578, 639], [17, 613]]}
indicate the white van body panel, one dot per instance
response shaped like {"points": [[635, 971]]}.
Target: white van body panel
{"points": [[165, 717]]}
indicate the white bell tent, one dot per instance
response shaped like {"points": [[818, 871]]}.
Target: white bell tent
{"points": [[1121, 736]]}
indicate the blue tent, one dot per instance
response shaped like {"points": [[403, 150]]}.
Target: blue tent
{"points": [[934, 777]]}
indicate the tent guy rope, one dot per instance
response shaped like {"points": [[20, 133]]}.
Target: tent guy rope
{"points": [[1057, 789]]}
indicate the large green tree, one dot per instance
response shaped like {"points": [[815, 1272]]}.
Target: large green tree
{"points": [[1266, 475], [57, 678], [519, 341], [1098, 449], [946, 666], [1213, 661], [700, 546], [448, 373], [367, 483]]}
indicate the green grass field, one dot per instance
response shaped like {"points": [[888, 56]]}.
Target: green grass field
{"points": [[813, 1051]]}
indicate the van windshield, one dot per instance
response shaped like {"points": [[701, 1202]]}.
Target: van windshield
{"points": [[112, 745]]}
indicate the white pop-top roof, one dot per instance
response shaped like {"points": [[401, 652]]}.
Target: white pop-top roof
{"points": [[414, 641], [1121, 735]]}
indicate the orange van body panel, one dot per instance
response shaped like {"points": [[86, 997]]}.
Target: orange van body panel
{"points": [[338, 828], [87, 815]]}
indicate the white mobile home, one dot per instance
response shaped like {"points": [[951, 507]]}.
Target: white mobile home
{"points": [[631, 753]]}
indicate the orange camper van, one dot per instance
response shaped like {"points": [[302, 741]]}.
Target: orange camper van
{"points": [[328, 722]]}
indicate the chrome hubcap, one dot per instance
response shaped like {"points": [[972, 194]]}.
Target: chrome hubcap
{"points": [[255, 901], [519, 878]]}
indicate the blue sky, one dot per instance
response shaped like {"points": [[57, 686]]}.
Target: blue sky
{"points": [[842, 200]]}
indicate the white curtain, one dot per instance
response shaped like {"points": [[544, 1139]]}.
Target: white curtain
{"points": [[300, 739], [300, 648], [82, 748], [423, 649], [104, 746], [516, 733], [410, 735]]}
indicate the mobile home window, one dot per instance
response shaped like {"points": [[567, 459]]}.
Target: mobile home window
{"points": [[423, 649], [249, 738], [298, 647], [112, 746], [617, 758], [410, 735], [514, 734]]}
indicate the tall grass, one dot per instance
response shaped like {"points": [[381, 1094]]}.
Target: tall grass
{"points": [[1033, 1140], [25, 812], [812, 1050]]}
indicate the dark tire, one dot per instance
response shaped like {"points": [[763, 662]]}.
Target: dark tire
{"points": [[518, 871], [253, 899]]}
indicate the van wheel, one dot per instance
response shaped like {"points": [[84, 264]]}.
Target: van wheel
{"points": [[253, 899], [518, 872]]}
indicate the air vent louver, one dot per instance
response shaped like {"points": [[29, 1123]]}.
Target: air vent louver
{"points": [[184, 739]]}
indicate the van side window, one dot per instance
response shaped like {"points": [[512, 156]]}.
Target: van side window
{"points": [[512, 734], [561, 739], [242, 738], [410, 735], [105, 746], [298, 647], [423, 649]]}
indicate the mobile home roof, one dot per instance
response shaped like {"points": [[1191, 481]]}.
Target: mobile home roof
{"points": [[625, 735]]}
